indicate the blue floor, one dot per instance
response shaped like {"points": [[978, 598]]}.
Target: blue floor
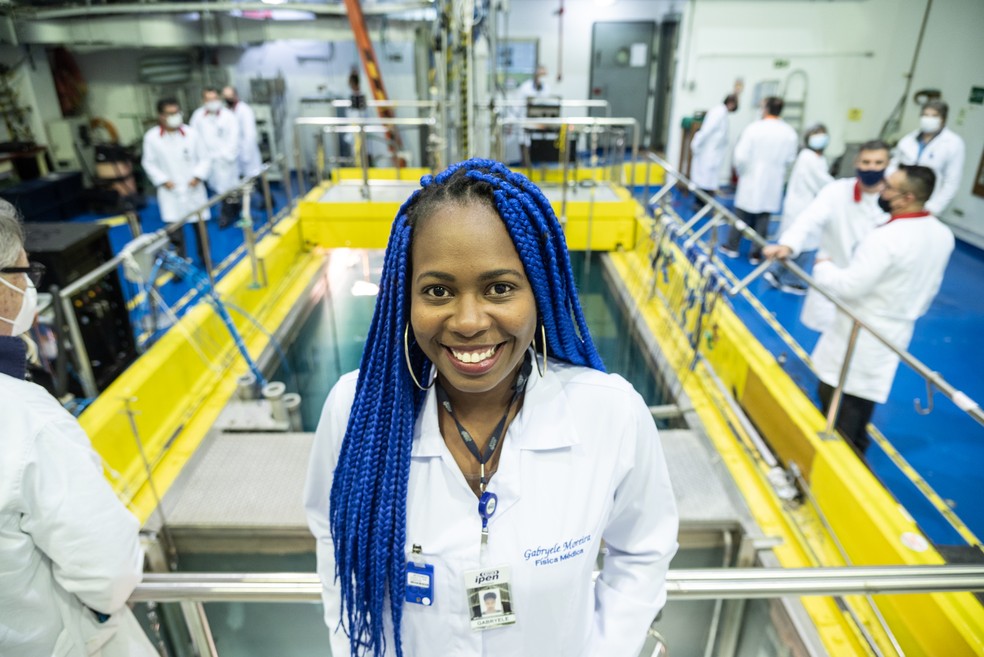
{"points": [[225, 250], [946, 446]]}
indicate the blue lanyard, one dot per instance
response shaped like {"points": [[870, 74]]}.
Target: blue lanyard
{"points": [[519, 387]]}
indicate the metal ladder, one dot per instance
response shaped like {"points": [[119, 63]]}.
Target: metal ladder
{"points": [[794, 107]]}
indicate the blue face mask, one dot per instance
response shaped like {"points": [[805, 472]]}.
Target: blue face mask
{"points": [[872, 177]]}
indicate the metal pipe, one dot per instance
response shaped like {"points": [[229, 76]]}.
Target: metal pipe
{"points": [[682, 584], [89, 9], [249, 237], [835, 399]]}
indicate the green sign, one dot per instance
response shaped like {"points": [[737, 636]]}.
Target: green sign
{"points": [[977, 95]]}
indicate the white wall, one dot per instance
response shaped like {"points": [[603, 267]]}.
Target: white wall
{"points": [[951, 61], [856, 55], [530, 19]]}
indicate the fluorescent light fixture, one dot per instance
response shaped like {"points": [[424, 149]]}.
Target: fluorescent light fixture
{"points": [[273, 2]]}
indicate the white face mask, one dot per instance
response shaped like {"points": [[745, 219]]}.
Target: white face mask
{"points": [[213, 105], [819, 141], [29, 308], [174, 121], [930, 124]]}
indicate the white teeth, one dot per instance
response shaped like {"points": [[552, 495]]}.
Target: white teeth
{"points": [[473, 356]]}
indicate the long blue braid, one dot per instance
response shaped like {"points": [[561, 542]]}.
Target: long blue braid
{"points": [[369, 492]]}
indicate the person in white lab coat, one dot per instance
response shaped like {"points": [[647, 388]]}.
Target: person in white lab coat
{"points": [[889, 283], [841, 215], [937, 147], [249, 159], [762, 156], [459, 460], [710, 146], [176, 162], [810, 174], [218, 128], [70, 552]]}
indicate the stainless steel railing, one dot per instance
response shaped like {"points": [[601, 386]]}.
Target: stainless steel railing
{"points": [[360, 127], [683, 584], [934, 381], [79, 353]]}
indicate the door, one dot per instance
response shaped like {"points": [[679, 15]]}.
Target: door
{"points": [[621, 69]]}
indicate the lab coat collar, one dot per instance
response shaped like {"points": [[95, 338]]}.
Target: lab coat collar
{"points": [[165, 131], [542, 424]]}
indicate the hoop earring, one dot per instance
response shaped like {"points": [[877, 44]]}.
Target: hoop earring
{"points": [[406, 354], [543, 339]]}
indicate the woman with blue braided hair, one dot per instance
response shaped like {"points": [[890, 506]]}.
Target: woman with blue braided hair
{"points": [[481, 448]]}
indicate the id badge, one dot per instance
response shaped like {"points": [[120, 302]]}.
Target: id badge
{"points": [[420, 583], [490, 602]]}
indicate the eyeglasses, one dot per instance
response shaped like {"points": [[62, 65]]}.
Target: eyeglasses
{"points": [[34, 270]]}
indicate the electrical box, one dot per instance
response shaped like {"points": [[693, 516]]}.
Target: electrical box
{"points": [[67, 140]]}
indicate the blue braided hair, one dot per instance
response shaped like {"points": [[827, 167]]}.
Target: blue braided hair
{"points": [[369, 492]]}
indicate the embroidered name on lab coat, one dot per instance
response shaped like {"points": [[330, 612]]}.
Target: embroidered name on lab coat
{"points": [[545, 556]]}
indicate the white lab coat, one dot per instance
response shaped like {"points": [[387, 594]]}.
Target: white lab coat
{"points": [[176, 156], [890, 282], [66, 541], [836, 220], [249, 159], [808, 177], [710, 147], [220, 133], [944, 154], [581, 462], [762, 156]]}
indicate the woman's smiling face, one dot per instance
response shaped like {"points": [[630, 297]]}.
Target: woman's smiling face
{"points": [[472, 309]]}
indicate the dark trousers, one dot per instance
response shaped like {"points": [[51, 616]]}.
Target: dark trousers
{"points": [[852, 418], [759, 221], [178, 239]]}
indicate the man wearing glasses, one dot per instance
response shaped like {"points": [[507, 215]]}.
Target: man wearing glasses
{"points": [[70, 551]]}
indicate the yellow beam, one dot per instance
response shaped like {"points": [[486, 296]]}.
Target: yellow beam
{"points": [[869, 523]]}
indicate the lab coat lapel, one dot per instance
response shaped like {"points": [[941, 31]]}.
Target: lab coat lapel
{"points": [[543, 424]]}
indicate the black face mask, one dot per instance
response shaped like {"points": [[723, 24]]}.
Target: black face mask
{"points": [[230, 103], [884, 204], [871, 177]]}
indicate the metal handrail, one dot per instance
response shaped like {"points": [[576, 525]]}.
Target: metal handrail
{"points": [[681, 584], [564, 103], [86, 375], [575, 123], [359, 125], [960, 399]]}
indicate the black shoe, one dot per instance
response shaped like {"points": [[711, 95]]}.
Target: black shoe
{"points": [[772, 279]]}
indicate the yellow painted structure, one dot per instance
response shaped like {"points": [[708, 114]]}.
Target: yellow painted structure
{"points": [[867, 521], [178, 388]]}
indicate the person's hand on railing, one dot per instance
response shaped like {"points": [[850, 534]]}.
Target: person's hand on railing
{"points": [[168, 185], [776, 251], [193, 182]]}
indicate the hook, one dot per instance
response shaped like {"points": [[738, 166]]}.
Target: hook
{"points": [[929, 400]]}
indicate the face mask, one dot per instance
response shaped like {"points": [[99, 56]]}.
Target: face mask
{"points": [[29, 308], [230, 103], [885, 204], [819, 141], [872, 177], [213, 105], [930, 124], [174, 121]]}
